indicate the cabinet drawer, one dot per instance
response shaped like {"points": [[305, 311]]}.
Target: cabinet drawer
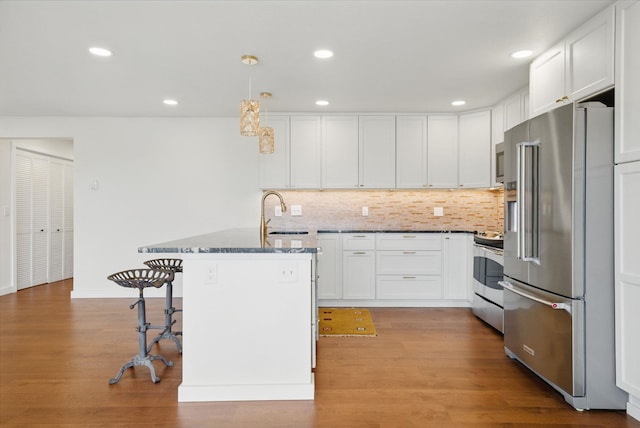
{"points": [[408, 241], [359, 241], [408, 287], [409, 262]]}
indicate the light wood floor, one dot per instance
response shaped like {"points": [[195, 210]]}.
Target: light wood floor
{"points": [[426, 368]]}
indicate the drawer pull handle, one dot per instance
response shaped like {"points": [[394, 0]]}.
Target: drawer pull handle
{"points": [[409, 236], [359, 252], [408, 252], [408, 277], [359, 236]]}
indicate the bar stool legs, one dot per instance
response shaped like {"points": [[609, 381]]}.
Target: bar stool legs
{"points": [[141, 278], [175, 266], [168, 322]]}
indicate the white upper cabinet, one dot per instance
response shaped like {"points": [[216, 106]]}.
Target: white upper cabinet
{"points": [[580, 65], [274, 168], [339, 152], [411, 152], [474, 145], [377, 150], [305, 152], [590, 56], [442, 151], [497, 124], [546, 80], [515, 110], [627, 135]]}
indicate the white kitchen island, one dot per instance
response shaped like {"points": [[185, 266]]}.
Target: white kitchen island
{"points": [[249, 315]]}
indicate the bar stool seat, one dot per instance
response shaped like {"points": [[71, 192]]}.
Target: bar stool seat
{"points": [[175, 266], [141, 279]]}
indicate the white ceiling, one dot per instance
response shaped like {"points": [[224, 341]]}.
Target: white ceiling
{"points": [[390, 56]]}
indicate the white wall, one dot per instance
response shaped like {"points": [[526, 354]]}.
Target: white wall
{"points": [[158, 179], [5, 220]]}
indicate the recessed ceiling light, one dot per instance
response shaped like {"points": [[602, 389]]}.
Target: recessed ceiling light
{"points": [[323, 53], [249, 59], [170, 102], [524, 53], [458, 103], [100, 51], [322, 103]]}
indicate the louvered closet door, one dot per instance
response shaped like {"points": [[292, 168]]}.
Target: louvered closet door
{"points": [[68, 221], [23, 221], [56, 221], [40, 225], [32, 219]]}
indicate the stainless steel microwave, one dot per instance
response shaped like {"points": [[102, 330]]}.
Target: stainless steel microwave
{"points": [[500, 163]]}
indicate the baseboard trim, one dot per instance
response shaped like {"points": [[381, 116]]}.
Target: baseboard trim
{"points": [[633, 407], [7, 289]]}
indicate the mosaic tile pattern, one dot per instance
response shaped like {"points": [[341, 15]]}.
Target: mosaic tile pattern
{"points": [[470, 210]]}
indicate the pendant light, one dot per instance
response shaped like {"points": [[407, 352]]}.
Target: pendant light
{"points": [[266, 138], [249, 109]]}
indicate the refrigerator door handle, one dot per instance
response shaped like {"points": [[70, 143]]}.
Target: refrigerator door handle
{"points": [[527, 201], [552, 305]]}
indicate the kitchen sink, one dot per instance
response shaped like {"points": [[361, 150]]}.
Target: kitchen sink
{"points": [[289, 232]]}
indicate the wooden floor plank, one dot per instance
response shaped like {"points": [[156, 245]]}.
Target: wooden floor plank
{"points": [[428, 367]]}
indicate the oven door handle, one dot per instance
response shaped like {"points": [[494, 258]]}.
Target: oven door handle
{"points": [[553, 305], [489, 249]]}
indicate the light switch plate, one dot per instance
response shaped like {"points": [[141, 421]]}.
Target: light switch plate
{"points": [[278, 211], [296, 210], [438, 211]]}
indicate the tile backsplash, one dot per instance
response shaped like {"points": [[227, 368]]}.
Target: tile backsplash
{"points": [[471, 210]]}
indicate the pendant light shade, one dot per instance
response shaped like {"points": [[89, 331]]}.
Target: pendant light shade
{"points": [[266, 140], [249, 109], [249, 118]]}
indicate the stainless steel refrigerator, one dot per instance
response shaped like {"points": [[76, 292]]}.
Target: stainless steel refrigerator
{"points": [[558, 252]]}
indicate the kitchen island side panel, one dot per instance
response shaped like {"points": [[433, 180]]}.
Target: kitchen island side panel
{"points": [[247, 327]]}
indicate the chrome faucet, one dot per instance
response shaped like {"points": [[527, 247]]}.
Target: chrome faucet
{"points": [[263, 223]]}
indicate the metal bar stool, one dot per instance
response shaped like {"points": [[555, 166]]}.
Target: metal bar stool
{"points": [[175, 266], [141, 279]]}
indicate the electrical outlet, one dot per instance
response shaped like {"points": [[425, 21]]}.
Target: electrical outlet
{"points": [[287, 272], [278, 211], [211, 274], [438, 211], [296, 210], [365, 211]]}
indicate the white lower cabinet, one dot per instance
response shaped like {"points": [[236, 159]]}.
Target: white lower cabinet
{"points": [[329, 266], [395, 269], [358, 266], [456, 265], [408, 266]]}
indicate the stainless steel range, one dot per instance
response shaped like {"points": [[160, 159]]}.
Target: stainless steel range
{"points": [[488, 262]]}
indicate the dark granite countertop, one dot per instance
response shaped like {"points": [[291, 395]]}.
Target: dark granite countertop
{"points": [[392, 231], [247, 240], [237, 241]]}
